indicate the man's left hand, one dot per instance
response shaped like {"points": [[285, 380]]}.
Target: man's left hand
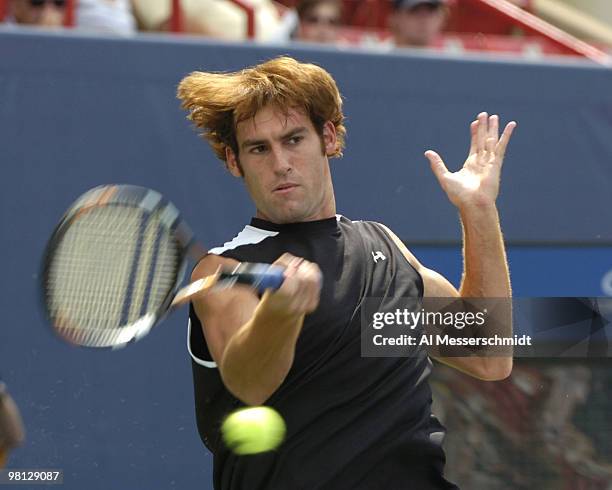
{"points": [[477, 183]]}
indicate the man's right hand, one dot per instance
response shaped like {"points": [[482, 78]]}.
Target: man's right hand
{"points": [[301, 290]]}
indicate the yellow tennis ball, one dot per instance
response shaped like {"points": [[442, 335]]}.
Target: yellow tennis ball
{"points": [[253, 430]]}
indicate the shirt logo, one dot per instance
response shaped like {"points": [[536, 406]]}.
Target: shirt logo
{"points": [[378, 255]]}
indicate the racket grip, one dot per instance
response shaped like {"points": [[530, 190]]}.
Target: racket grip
{"points": [[259, 276]]}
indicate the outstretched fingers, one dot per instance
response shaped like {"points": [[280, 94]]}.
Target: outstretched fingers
{"points": [[483, 129], [487, 137], [473, 136], [500, 149], [493, 133]]}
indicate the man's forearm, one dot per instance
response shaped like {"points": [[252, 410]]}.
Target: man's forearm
{"points": [[485, 272], [259, 355], [486, 276]]}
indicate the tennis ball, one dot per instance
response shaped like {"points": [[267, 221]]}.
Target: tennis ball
{"points": [[253, 430]]}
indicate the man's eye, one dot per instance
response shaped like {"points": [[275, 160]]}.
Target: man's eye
{"points": [[258, 149], [294, 140]]}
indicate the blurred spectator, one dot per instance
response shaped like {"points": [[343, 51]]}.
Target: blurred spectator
{"points": [[220, 19], [417, 23], [11, 428], [545, 427], [42, 13], [318, 21], [108, 16]]}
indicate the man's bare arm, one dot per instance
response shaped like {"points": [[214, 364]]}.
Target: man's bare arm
{"points": [[251, 340], [437, 286], [473, 190]]}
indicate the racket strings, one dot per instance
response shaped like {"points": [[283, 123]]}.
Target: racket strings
{"points": [[114, 266], [157, 269]]}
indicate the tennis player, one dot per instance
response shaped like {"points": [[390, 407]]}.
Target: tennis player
{"points": [[11, 427], [353, 422]]}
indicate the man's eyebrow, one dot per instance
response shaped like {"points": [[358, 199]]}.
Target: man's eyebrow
{"points": [[247, 143], [289, 134], [293, 132]]}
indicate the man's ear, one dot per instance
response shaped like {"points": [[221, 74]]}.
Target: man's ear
{"points": [[329, 138], [231, 162]]}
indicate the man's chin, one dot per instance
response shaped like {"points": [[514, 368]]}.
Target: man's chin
{"points": [[283, 217]]}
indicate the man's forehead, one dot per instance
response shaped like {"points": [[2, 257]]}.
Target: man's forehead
{"points": [[271, 119]]}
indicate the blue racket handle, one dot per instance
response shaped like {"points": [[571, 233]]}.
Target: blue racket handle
{"points": [[259, 276]]}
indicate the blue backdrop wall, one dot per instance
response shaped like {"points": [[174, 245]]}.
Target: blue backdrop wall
{"points": [[77, 112]]}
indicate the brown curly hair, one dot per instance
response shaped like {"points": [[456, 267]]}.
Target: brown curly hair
{"points": [[217, 102]]}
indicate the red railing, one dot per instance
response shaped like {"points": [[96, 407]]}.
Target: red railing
{"points": [[534, 25], [176, 17], [69, 13], [486, 17]]}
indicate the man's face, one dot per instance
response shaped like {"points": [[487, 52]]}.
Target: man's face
{"points": [[320, 24], [44, 13], [284, 163], [417, 26]]}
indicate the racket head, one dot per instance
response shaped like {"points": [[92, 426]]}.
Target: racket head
{"points": [[113, 264]]}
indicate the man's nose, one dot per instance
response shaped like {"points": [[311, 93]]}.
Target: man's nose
{"points": [[280, 160]]}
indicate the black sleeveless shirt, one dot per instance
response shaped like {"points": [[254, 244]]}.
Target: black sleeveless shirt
{"points": [[353, 422]]}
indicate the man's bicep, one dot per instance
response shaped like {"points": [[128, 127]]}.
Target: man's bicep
{"points": [[435, 285], [223, 312]]}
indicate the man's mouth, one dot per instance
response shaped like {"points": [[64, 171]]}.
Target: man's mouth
{"points": [[284, 188]]}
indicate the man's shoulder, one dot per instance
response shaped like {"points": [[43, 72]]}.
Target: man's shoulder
{"points": [[361, 223]]}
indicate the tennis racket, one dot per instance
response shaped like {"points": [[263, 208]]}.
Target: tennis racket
{"points": [[113, 267]]}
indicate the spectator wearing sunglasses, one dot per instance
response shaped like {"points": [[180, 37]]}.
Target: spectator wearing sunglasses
{"points": [[417, 23], [318, 21], [42, 13]]}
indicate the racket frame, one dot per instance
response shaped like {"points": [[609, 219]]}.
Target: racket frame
{"points": [[260, 277], [125, 195]]}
